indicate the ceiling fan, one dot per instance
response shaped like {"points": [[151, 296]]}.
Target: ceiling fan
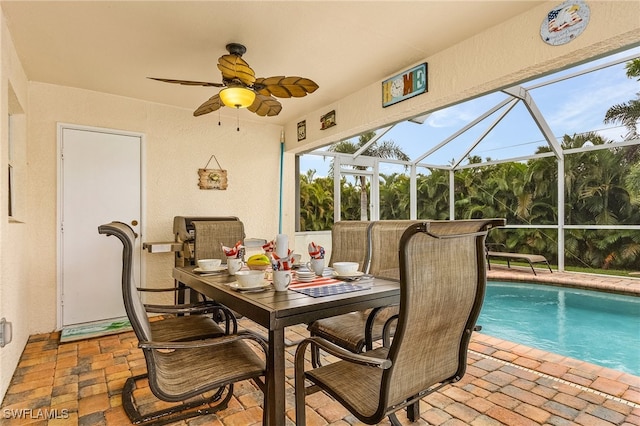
{"points": [[241, 88]]}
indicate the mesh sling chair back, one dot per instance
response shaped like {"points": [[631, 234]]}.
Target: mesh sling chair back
{"points": [[356, 331], [211, 235], [182, 371], [385, 242], [350, 243], [442, 284]]}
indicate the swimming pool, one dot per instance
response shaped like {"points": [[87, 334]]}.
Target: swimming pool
{"points": [[599, 328]]}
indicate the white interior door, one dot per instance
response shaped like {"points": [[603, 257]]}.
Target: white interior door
{"points": [[100, 183]]}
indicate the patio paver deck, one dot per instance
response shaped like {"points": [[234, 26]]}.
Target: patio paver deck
{"points": [[506, 383]]}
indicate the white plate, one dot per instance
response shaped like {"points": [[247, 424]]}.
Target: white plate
{"points": [[205, 271], [353, 275], [327, 272], [306, 280], [235, 286], [306, 275]]}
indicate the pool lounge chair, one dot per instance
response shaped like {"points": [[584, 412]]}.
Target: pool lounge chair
{"points": [[529, 258]]}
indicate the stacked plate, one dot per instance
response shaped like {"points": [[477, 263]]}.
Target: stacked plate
{"points": [[305, 276], [352, 276]]}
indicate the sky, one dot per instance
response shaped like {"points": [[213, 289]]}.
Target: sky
{"points": [[572, 106]]}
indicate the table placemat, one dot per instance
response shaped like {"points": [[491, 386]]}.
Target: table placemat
{"points": [[320, 281], [330, 290]]}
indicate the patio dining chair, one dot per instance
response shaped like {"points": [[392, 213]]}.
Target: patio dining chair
{"points": [[199, 373], [198, 319], [350, 242], [210, 235], [442, 284], [357, 331]]}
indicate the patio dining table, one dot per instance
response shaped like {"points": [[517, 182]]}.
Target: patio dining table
{"points": [[277, 310]]}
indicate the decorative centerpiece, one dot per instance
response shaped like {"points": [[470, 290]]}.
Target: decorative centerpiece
{"points": [[258, 262]]}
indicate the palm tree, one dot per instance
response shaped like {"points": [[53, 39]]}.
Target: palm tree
{"points": [[384, 149], [394, 196], [433, 194], [316, 195], [628, 113]]}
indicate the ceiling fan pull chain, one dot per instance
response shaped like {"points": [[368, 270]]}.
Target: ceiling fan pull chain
{"points": [[219, 123], [238, 118]]}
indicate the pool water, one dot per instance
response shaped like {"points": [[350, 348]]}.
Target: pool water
{"points": [[599, 328]]}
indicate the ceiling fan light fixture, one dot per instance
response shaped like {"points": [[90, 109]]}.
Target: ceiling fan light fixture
{"points": [[237, 97]]}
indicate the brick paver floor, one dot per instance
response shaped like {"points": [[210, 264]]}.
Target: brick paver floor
{"points": [[505, 383]]}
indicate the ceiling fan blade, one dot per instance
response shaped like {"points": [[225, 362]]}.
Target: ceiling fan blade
{"points": [[285, 87], [233, 66], [187, 82], [265, 105], [212, 104]]}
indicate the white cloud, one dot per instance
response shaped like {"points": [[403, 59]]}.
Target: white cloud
{"points": [[583, 106]]}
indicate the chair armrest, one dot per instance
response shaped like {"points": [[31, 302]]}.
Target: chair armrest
{"points": [[243, 335], [341, 353], [386, 330], [162, 289], [208, 307], [368, 328], [490, 246], [169, 289], [186, 308], [452, 236]]}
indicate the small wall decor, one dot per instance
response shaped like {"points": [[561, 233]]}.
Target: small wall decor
{"points": [[328, 120], [565, 22], [404, 85], [302, 130], [212, 178]]}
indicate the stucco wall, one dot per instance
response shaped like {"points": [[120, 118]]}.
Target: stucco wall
{"points": [[14, 299], [176, 144], [502, 56]]}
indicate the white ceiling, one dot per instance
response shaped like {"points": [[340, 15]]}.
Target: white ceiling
{"points": [[112, 46]]}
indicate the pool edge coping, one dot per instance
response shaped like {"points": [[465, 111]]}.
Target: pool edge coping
{"points": [[629, 286]]}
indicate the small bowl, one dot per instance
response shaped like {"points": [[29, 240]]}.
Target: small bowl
{"points": [[345, 268], [249, 278], [209, 264]]}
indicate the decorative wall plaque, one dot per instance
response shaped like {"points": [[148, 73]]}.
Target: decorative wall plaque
{"points": [[328, 120], [212, 178], [302, 130], [565, 22], [405, 85]]}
